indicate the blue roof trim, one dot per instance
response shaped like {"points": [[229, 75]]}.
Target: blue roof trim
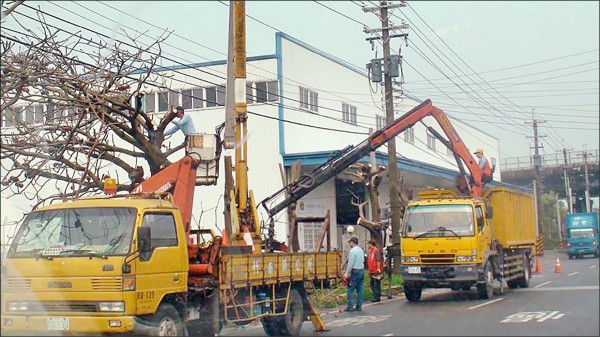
{"points": [[405, 164], [322, 53], [205, 64], [280, 81]]}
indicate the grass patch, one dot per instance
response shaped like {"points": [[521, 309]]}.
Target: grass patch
{"points": [[335, 296]]}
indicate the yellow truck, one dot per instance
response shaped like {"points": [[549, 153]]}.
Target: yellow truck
{"points": [[456, 242]]}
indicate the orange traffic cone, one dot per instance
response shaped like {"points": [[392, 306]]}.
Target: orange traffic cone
{"points": [[538, 265], [557, 268]]}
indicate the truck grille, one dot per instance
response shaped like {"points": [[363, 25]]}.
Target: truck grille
{"points": [[437, 258], [107, 284], [18, 284], [63, 306]]}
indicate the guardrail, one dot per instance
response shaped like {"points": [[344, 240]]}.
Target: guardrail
{"points": [[573, 158]]}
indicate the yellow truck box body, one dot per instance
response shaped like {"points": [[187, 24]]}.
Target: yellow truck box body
{"points": [[513, 220]]}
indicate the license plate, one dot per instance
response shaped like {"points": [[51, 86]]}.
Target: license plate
{"points": [[414, 270], [58, 323]]}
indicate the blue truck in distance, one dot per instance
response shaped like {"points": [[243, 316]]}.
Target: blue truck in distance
{"points": [[582, 234]]}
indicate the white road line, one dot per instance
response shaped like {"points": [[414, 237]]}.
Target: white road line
{"points": [[573, 273], [388, 334], [558, 288], [594, 266], [542, 284], [486, 303]]}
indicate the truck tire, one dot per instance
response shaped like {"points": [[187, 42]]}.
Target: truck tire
{"points": [[272, 325], [210, 322], [167, 322], [486, 289], [413, 292], [524, 280], [291, 322], [570, 256]]}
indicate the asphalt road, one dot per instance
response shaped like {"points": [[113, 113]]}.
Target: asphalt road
{"points": [[555, 304]]}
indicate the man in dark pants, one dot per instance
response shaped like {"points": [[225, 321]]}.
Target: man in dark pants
{"points": [[375, 265], [355, 274]]}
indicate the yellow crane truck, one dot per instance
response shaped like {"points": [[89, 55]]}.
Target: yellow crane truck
{"points": [[458, 240]]}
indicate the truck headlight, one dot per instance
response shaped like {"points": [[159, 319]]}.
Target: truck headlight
{"points": [[111, 306], [410, 258], [465, 258], [18, 306]]}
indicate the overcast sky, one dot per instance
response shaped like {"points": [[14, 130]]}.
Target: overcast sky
{"points": [[488, 64]]}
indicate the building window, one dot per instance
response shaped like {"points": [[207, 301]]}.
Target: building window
{"points": [[309, 100], [215, 96], [163, 101], [249, 93], [349, 113], [430, 141], [192, 98], [379, 122], [409, 135], [312, 231], [266, 91], [149, 103], [11, 117], [34, 114]]}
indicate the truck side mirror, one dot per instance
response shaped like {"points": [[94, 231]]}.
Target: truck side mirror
{"points": [[144, 238], [489, 212]]}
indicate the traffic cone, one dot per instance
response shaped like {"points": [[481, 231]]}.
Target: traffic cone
{"points": [[247, 237], [538, 265], [557, 268]]}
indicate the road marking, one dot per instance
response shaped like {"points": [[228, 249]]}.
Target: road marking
{"points": [[594, 266], [573, 273], [486, 303], [559, 288], [526, 316], [542, 284], [388, 334]]}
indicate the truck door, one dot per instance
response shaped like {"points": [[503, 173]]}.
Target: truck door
{"points": [[483, 230], [160, 271]]}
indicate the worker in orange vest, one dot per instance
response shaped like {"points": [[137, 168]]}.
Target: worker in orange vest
{"points": [[375, 266], [484, 164]]}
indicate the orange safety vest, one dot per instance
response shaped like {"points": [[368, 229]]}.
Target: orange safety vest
{"points": [[487, 171], [372, 262]]}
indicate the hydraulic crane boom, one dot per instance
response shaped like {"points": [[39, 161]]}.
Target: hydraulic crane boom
{"points": [[351, 154]]}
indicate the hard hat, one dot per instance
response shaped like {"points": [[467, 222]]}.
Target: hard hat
{"points": [[478, 151]]}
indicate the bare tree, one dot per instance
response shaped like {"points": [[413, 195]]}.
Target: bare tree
{"points": [[72, 113], [369, 177]]}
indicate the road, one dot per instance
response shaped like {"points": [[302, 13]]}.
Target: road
{"points": [[555, 304]]}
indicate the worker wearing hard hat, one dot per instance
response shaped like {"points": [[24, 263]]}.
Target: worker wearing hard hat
{"points": [[484, 164]]}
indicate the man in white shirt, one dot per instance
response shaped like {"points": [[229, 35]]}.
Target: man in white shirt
{"points": [[355, 274]]}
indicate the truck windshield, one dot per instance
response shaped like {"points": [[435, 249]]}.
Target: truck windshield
{"points": [[576, 233], [438, 221], [75, 232]]}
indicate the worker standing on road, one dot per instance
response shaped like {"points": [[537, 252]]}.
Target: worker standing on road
{"points": [[375, 264], [355, 274], [184, 123], [484, 165]]}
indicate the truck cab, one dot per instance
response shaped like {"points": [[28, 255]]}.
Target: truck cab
{"points": [[72, 267], [582, 234]]}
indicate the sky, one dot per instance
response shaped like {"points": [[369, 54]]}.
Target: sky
{"points": [[494, 65]]}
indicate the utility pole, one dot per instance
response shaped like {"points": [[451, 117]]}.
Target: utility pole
{"points": [[587, 183], [537, 165], [567, 189], [390, 69]]}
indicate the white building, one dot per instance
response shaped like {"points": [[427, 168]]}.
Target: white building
{"points": [[304, 104]]}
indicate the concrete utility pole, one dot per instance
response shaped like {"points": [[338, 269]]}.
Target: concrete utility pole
{"points": [[567, 190], [537, 164], [587, 183], [389, 112]]}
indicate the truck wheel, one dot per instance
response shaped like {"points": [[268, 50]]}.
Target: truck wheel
{"points": [[210, 322], [465, 286], [486, 289], [413, 292], [272, 325], [570, 256], [524, 280], [167, 322], [292, 321]]}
